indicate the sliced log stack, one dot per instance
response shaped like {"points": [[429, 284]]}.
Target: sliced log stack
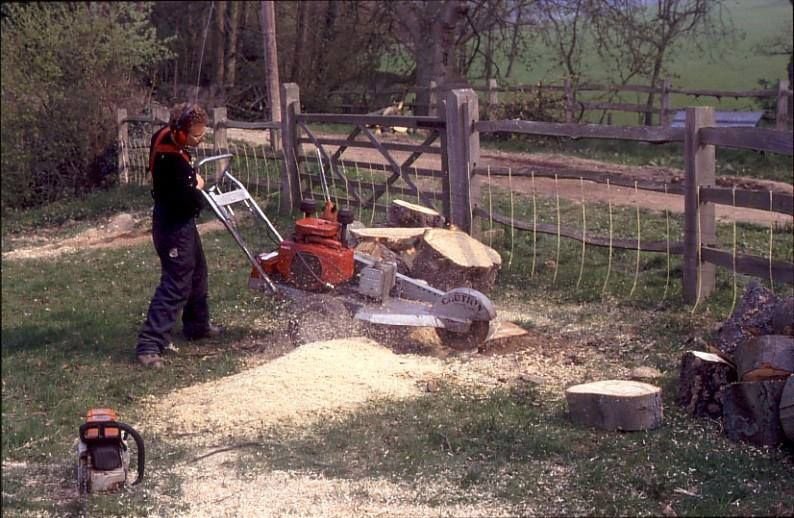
{"points": [[444, 258], [745, 379]]}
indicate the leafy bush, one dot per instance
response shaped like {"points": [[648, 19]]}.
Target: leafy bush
{"points": [[66, 67]]}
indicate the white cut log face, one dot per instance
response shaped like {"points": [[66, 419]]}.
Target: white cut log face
{"points": [[615, 405], [787, 409], [462, 249], [765, 357], [751, 411], [416, 208]]}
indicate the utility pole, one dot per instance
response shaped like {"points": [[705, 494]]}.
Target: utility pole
{"points": [[268, 20]]}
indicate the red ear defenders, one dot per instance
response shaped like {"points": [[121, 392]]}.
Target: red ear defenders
{"points": [[179, 127]]}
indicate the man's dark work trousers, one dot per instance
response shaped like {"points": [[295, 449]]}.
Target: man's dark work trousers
{"points": [[183, 284]]}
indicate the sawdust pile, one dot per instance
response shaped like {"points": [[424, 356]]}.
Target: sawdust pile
{"points": [[294, 389], [280, 493]]}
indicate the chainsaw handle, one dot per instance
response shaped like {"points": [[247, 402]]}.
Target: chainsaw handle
{"points": [[102, 425], [141, 450]]}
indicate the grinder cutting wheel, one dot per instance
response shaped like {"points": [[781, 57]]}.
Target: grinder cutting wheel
{"points": [[316, 267]]}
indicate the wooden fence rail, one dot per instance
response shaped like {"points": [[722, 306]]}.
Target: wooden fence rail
{"points": [[569, 90]]}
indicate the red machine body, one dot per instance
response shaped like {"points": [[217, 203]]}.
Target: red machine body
{"points": [[314, 258]]}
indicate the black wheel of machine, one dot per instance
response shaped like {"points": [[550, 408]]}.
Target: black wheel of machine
{"points": [[321, 318], [476, 335]]}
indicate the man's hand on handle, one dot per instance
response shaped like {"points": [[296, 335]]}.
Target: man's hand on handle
{"points": [[199, 182]]}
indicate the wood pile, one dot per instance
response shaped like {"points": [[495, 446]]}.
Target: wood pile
{"points": [[746, 376], [445, 258]]}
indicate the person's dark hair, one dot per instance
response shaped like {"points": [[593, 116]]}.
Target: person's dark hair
{"points": [[184, 115]]}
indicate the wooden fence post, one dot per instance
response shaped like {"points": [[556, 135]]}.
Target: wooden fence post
{"points": [[664, 105], [432, 110], [160, 114], [220, 137], [123, 155], [291, 151], [570, 101], [463, 155], [493, 98], [781, 115], [699, 224]]}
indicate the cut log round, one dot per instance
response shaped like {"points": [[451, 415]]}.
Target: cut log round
{"points": [[701, 377], [752, 317], [751, 412], [404, 214], [765, 357], [395, 238], [452, 259], [615, 405], [787, 409]]}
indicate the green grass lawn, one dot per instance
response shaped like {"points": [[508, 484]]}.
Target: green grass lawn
{"points": [[69, 327]]}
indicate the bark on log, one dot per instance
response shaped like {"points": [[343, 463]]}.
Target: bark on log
{"points": [[752, 317], [787, 409], [783, 317], [765, 357], [751, 411], [395, 238], [452, 259], [701, 377], [615, 405], [404, 214]]}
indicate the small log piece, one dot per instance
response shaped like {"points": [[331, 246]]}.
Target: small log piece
{"points": [[765, 357], [404, 214], [615, 405], [751, 411], [395, 238], [452, 259], [701, 377], [752, 317], [787, 409]]}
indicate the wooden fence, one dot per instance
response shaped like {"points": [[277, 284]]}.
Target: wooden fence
{"points": [[574, 106], [454, 135]]}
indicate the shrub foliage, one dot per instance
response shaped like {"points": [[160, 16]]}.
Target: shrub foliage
{"points": [[66, 67]]}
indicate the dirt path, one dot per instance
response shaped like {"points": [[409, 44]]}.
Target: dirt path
{"points": [[571, 189]]}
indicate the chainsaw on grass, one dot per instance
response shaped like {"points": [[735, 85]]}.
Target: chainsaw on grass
{"points": [[330, 281], [103, 455]]}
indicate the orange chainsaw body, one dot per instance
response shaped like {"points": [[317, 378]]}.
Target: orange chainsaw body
{"points": [[314, 258]]}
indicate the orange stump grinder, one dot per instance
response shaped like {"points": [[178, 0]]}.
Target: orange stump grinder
{"points": [[103, 456], [331, 281]]}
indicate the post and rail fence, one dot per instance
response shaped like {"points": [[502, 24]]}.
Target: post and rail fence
{"points": [[453, 133], [574, 106]]}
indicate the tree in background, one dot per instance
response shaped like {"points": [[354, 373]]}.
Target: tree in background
{"points": [[66, 67]]}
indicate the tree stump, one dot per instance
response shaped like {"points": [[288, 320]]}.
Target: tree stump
{"points": [[452, 259], [751, 411], [787, 409], [404, 214], [700, 380], [615, 405], [395, 238], [765, 357]]}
